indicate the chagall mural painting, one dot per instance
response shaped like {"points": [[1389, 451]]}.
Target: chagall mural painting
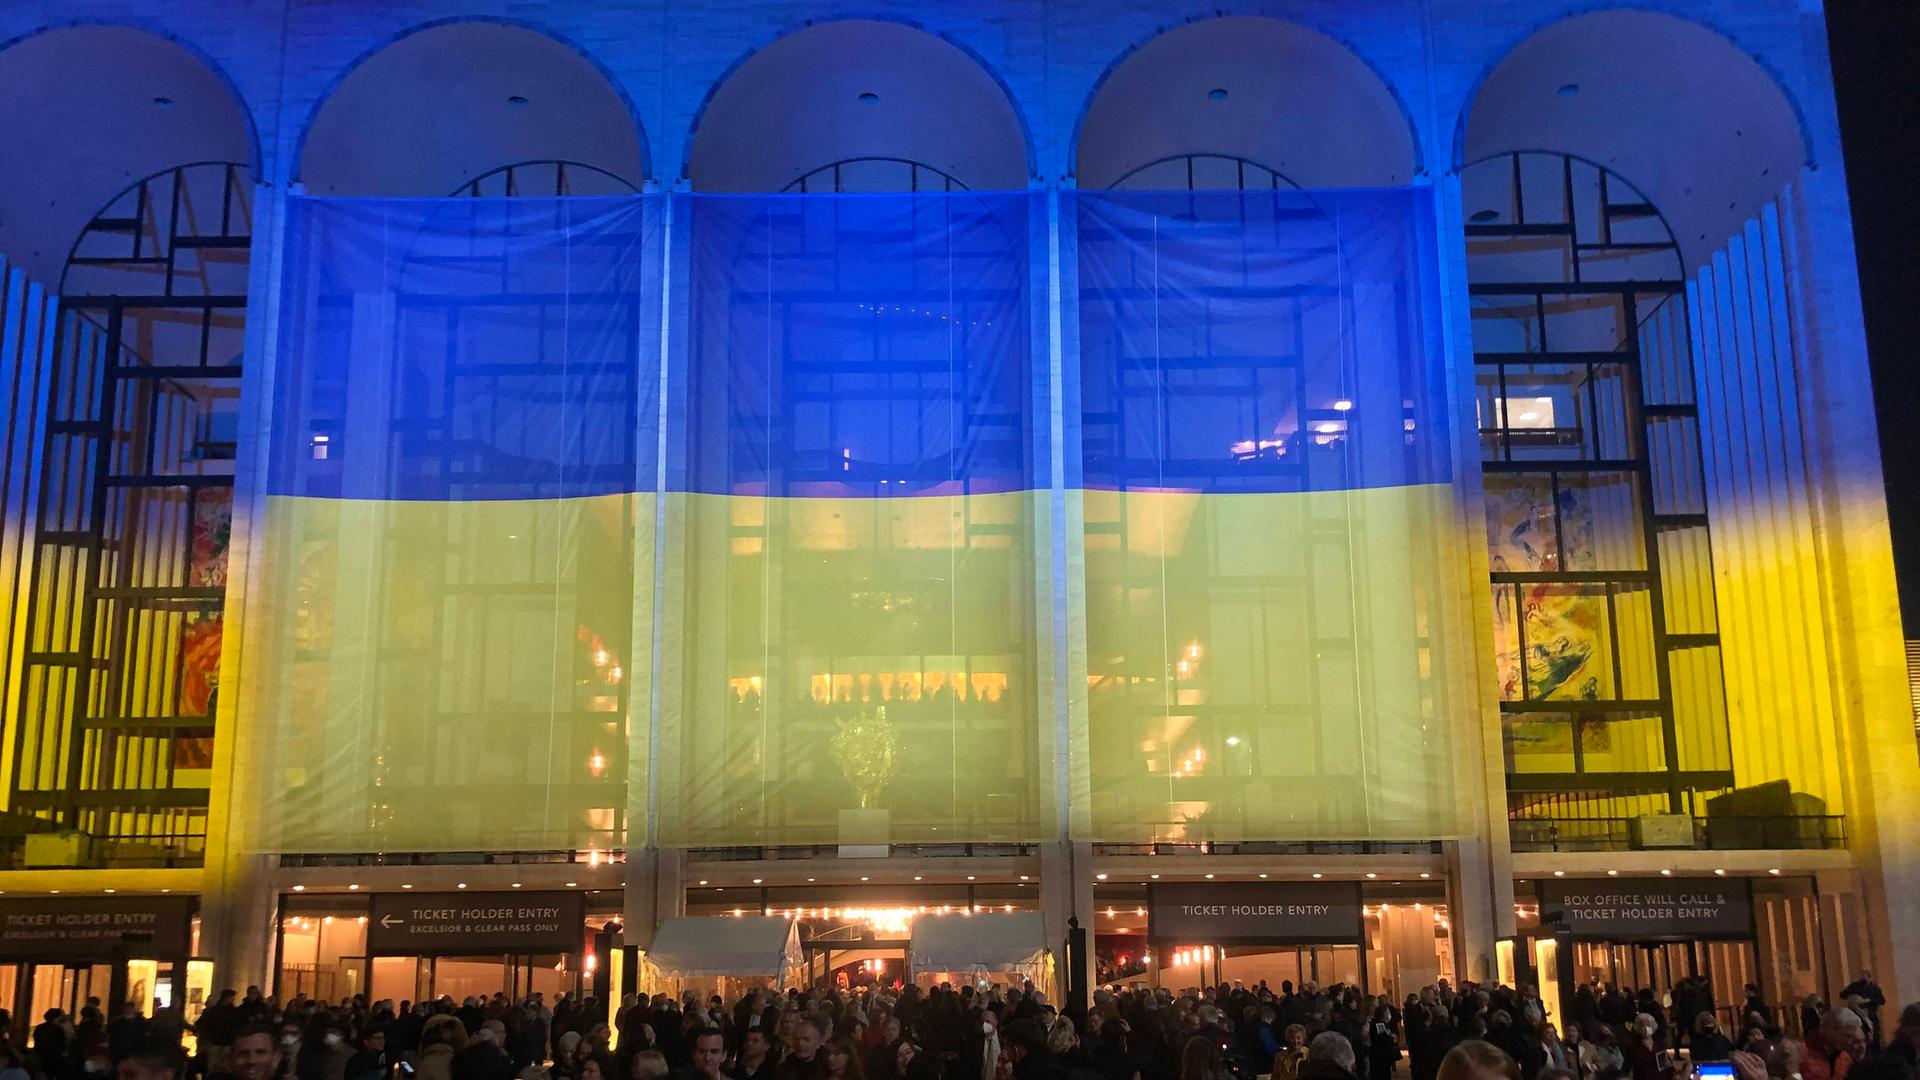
{"points": [[200, 636], [1550, 639]]}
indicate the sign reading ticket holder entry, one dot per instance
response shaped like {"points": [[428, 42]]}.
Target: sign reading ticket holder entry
{"points": [[96, 928], [1256, 913], [1658, 909], [464, 923]]}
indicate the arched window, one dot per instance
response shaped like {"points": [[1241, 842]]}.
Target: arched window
{"points": [[1609, 154], [124, 612], [501, 97], [551, 177], [1242, 102], [858, 105]]}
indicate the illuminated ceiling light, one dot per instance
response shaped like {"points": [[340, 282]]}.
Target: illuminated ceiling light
{"points": [[461, 885], [1209, 877], [1263, 875], [1559, 873], [356, 888], [1328, 428], [573, 884], [1371, 874], [1424, 874], [756, 881], [1155, 877], [1099, 877], [917, 877], [516, 884], [809, 879], [969, 877], [1775, 871], [1719, 873], [703, 881], [1319, 875], [409, 885], [1613, 873], [1023, 877], [1343, 405], [1233, 740], [1666, 873], [299, 888], [112, 890], [863, 879]]}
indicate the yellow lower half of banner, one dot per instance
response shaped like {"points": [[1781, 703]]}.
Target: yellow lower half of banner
{"points": [[857, 671], [1271, 666], [448, 676]]}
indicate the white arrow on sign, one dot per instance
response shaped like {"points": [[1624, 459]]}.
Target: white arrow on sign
{"points": [[389, 921]]}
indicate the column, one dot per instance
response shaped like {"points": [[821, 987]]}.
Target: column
{"points": [[1066, 892]]}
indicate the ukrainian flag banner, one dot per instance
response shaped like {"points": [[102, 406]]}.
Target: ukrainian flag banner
{"points": [[452, 635], [1269, 528], [859, 511]]}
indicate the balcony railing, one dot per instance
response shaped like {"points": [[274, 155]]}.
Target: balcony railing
{"points": [[1791, 832]]}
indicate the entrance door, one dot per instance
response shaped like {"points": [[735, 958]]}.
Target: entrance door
{"points": [[1192, 965], [68, 987], [1729, 965]]}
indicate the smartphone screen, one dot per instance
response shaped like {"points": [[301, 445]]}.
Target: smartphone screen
{"points": [[1716, 1070]]}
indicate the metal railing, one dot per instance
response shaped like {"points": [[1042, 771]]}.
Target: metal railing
{"points": [[1274, 847], [1797, 832], [828, 851]]}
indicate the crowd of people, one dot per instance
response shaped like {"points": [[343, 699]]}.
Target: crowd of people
{"points": [[1229, 1032]]}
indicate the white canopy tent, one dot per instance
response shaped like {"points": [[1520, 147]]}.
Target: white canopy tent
{"points": [[968, 946], [728, 955]]}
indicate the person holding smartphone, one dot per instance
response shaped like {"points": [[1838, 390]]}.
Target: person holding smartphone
{"points": [[1645, 1056]]}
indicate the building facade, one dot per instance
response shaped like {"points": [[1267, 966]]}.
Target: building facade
{"points": [[1418, 450]]}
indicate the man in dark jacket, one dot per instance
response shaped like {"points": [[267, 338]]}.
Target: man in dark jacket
{"points": [[50, 1043], [806, 1062], [1871, 998], [1026, 1046]]}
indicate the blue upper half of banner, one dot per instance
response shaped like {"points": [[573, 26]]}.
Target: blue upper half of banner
{"points": [[861, 345], [1258, 341], [464, 349], [858, 345]]}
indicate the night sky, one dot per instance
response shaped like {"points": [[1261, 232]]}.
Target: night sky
{"points": [[1878, 86]]}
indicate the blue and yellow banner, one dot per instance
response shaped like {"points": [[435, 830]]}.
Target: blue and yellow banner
{"points": [[455, 605], [930, 573], [1265, 485], [858, 659]]}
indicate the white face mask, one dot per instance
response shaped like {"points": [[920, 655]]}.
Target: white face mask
{"points": [[986, 1028]]}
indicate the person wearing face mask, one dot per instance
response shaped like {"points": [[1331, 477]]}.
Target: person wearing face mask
{"points": [[989, 1045], [323, 1053], [1707, 1043]]}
